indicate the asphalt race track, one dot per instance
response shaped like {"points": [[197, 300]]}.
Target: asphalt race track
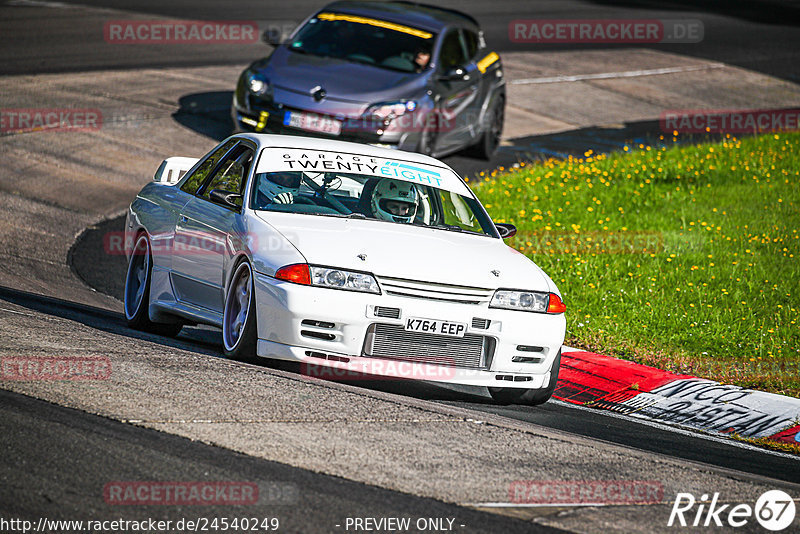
{"points": [[321, 452], [315, 503]]}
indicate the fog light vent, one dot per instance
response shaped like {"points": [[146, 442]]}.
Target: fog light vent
{"points": [[323, 356], [514, 378], [529, 348], [527, 359], [389, 313], [317, 335], [480, 324], [318, 324]]}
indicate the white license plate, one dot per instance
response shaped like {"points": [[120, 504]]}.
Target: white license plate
{"points": [[312, 123], [436, 326]]}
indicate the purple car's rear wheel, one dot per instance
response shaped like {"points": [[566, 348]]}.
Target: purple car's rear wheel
{"points": [[490, 139]]}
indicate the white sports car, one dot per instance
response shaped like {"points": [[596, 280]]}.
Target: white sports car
{"points": [[347, 258]]}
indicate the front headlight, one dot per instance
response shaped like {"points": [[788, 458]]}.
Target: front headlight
{"points": [[386, 112], [258, 84], [304, 274], [342, 279], [532, 301]]}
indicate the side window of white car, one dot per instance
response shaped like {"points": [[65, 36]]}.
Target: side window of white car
{"points": [[456, 211], [231, 172], [193, 182]]}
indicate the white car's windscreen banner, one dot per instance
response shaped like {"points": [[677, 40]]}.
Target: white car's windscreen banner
{"points": [[279, 159]]}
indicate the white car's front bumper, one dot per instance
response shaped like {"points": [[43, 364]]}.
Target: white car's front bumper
{"points": [[344, 334]]}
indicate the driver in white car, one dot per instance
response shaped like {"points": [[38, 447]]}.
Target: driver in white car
{"points": [[280, 187], [395, 201]]}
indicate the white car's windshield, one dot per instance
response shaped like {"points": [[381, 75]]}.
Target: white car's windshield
{"points": [[368, 197]]}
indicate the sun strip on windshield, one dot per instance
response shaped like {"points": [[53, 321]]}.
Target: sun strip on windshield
{"points": [[375, 22]]}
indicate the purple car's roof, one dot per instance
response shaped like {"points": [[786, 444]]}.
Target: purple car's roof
{"points": [[424, 17]]}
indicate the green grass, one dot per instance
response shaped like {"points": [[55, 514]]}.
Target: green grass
{"points": [[684, 258]]}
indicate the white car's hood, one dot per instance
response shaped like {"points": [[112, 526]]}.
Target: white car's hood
{"points": [[410, 252]]}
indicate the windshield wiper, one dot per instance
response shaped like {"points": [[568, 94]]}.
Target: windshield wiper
{"points": [[300, 50], [454, 228], [451, 227]]}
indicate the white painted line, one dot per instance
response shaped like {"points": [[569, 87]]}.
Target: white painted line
{"points": [[611, 75], [17, 312]]}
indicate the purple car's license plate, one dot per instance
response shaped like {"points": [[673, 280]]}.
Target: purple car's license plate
{"points": [[312, 123]]}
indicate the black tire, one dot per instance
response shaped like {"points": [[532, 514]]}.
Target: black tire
{"points": [[529, 397], [137, 292], [240, 333], [487, 145]]}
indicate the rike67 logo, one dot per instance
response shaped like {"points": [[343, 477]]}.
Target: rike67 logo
{"points": [[774, 510]]}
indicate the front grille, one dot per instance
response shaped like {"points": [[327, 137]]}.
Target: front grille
{"points": [[433, 291], [394, 342]]}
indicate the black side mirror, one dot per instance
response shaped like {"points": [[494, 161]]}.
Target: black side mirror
{"points": [[226, 198], [506, 230], [455, 74], [272, 37]]}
